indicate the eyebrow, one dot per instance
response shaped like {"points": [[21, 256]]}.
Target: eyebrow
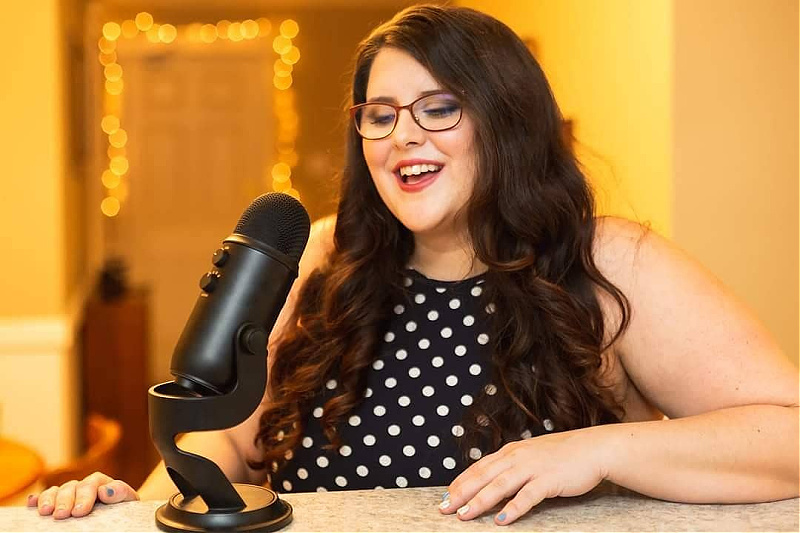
{"points": [[393, 100]]}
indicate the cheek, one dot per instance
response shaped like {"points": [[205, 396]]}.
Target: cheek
{"points": [[375, 154]]}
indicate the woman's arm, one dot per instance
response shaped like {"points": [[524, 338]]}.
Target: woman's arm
{"points": [[694, 353]]}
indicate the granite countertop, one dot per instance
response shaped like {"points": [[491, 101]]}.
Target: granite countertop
{"points": [[607, 508]]}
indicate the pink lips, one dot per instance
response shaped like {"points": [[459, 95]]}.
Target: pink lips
{"points": [[417, 186]]}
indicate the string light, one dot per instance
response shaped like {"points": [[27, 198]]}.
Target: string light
{"points": [[143, 26]]}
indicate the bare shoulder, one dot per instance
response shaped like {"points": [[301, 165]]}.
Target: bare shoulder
{"points": [[691, 345]]}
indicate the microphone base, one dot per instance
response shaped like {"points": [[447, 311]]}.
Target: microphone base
{"points": [[264, 511]]}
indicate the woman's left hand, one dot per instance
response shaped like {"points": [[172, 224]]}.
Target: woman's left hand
{"points": [[528, 471]]}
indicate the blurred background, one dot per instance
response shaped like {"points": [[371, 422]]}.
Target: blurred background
{"points": [[133, 133]]}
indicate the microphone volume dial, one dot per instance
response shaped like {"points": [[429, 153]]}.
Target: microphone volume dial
{"points": [[209, 281], [220, 257]]}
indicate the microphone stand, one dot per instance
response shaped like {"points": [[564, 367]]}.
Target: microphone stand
{"points": [[207, 500]]}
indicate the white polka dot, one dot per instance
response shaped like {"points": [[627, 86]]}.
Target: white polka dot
{"points": [[457, 430], [413, 372], [390, 383], [424, 472], [404, 401], [442, 410], [483, 338], [466, 400], [449, 463], [341, 481], [302, 473], [427, 391], [437, 361], [331, 384], [287, 485], [433, 315], [424, 344], [409, 450], [526, 434], [377, 365], [407, 282], [354, 420], [433, 441], [308, 442], [490, 389], [322, 489], [455, 303], [393, 430], [548, 424], [317, 412], [476, 291], [418, 420], [441, 290], [377, 487], [475, 369], [468, 320], [475, 453], [460, 350], [411, 326], [491, 308], [288, 455], [389, 337], [362, 470], [446, 333], [379, 410], [398, 309], [401, 354], [385, 460], [451, 380], [369, 440], [322, 461], [367, 392], [345, 450], [419, 298], [401, 482]]}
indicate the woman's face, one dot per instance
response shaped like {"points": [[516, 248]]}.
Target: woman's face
{"points": [[427, 203]]}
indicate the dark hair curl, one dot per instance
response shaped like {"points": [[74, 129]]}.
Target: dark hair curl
{"points": [[531, 222]]}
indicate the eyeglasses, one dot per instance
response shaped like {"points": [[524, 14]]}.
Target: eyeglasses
{"points": [[433, 112]]}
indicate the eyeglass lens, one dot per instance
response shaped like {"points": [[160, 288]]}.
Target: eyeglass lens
{"points": [[436, 112]]}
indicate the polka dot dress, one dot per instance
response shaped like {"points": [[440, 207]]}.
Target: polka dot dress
{"points": [[432, 364]]}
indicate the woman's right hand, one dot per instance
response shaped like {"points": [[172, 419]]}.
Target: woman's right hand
{"points": [[77, 498]]}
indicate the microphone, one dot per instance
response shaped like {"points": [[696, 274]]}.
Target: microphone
{"points": [[220, 368], [253, 272]]}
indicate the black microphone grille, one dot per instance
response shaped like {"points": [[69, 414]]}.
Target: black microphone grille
{"points": [[277, 220]]}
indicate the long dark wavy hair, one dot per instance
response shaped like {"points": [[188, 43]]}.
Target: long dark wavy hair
{"points": [[531, 221]]}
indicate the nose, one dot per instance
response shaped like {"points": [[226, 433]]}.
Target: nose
{"points": [[407, 132]]}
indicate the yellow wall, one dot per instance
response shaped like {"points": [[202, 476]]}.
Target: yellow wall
{"points": [[609, 64], [31, 152]]}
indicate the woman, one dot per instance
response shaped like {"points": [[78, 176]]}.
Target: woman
{"points": [[466, 312]]}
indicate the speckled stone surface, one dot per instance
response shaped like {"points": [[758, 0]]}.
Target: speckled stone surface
{"points": [[607, 508]]}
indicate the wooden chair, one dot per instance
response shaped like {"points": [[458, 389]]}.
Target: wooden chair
{"points": [[102, 442]]}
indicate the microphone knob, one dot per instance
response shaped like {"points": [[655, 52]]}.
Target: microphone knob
{"points": [[209, 281], [220, 257], [254, 340]]}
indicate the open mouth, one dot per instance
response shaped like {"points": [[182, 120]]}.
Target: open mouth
{"points": [[413, 174]]}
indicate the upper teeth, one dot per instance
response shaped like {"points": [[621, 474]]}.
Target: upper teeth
{"points": [[418, 169]]}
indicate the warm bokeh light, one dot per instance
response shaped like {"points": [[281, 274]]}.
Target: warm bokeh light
{"points": [[110, 124], [235, 32], [107, 59], [106, 46], [290, 158], [113, 72], [144, 21], [264, 26], [281, 172], [111, 31], [129, 29], [294, 193], [281, 186], [280, 67], [110, 180], [114, 87], [113, 151], [281, 44], [118, 139], [291, 56], [110, 206], [152, 34], [289, 28], [222, 28], [120, 192], [167, 33], [119, 165], [208, 33], [250, 29], [282, 82]]}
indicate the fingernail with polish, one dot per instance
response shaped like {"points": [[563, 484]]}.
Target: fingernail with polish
{"points": [[109, 492], [501, 517], [78, 506], [446, 496], [463, 510], [445, 504]]}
